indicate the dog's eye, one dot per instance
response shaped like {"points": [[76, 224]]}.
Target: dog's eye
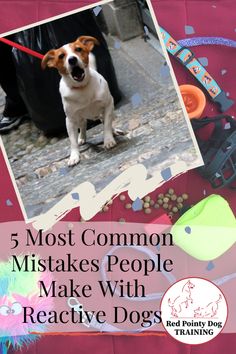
{"points": [[61, 56], [78, 49]]}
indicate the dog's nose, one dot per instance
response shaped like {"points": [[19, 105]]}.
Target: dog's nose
{"points": [[72, 60]]}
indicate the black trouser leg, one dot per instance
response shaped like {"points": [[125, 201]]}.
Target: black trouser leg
{"points": [[14, 103]]}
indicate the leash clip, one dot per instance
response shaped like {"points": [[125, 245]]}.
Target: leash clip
{"points": [[223, 101], [73, 303]]}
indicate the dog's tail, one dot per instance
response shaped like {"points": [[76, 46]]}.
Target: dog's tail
{"points": [[220, 298]]}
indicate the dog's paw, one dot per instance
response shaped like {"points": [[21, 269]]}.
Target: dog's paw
{"points": [[81, 141], [74, 158], [109, 143]]}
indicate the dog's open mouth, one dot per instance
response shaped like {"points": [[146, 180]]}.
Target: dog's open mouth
{"points": [[77, 73]]}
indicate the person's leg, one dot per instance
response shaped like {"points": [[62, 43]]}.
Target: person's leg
{"points": [[14, 107]]}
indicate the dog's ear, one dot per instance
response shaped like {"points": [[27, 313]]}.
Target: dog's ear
{"points": [[88, 41], [48, 60]]}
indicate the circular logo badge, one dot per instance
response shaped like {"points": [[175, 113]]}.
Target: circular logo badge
{"points": [[194, 311]]}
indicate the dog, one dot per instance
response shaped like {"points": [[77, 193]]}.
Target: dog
{"points": [[85, 93], [209, 310], [182, 300]]}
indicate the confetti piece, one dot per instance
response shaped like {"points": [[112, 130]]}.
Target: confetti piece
{"points": [[227, 94], [189, 30], [97, 10], [227, 126], [210, 266], [203, 61], [223, 71], [146, 30], [204, 192], [137, 205], [165, 71], [4, 286], [117, 44], [214, 6], [9, 203], [75, 196], [166, 174], [188, 230], [136, 100], [217, 175]]}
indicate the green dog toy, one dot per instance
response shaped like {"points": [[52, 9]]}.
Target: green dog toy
{"points": [[207, 230]]}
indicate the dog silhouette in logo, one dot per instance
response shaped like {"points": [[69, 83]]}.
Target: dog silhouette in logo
{"points": [[209, 310], [183, 299]]}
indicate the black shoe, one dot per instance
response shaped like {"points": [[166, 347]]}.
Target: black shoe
{"points": [[7, 123]]}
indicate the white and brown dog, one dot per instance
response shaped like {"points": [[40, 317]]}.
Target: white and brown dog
{"points": [[85, 93]]}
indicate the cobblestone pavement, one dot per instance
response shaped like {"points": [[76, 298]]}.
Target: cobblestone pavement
{"points": [[156, 135]]}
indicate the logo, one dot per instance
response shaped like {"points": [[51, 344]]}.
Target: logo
{"points": [[194, 311]]}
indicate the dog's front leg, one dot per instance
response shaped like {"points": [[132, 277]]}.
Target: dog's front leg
{"points": [[72, 130], [109, 140], [82, 131]]}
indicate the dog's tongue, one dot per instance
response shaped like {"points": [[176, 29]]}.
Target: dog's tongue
{"points": [[77, 73]]}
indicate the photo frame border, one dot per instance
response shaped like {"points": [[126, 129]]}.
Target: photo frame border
{"points": [[54, 214]]}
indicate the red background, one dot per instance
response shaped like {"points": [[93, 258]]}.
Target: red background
{"points": [[208, 18]]}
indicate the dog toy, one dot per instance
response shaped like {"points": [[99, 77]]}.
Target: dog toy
{"points": [[197, 41], [207, 230], [194, 100], [19, 290]]}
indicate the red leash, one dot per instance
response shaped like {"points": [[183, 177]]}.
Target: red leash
{"points": [[22, 48]]}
